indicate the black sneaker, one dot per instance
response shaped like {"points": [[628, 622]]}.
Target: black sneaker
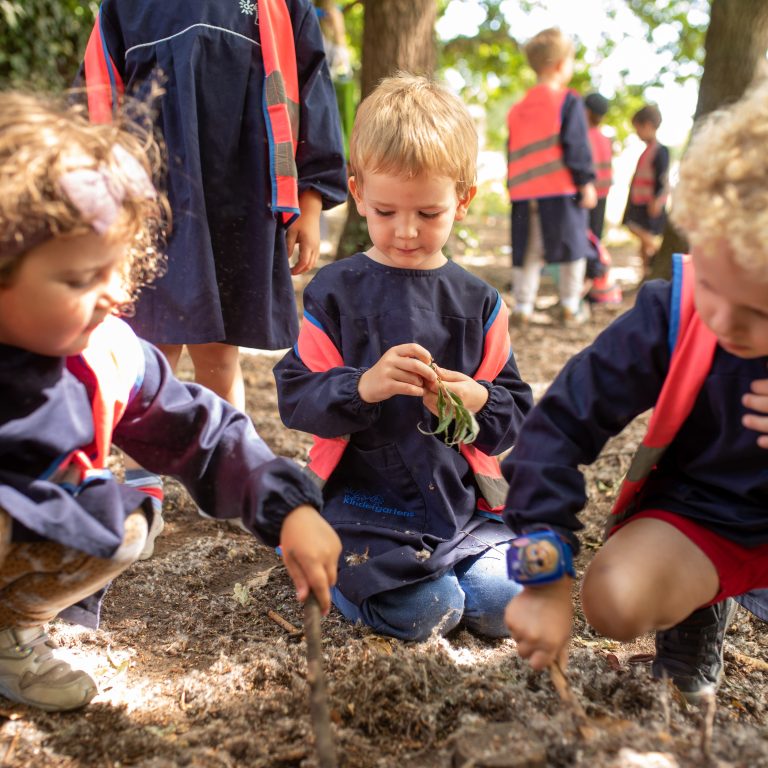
{"points": [[691, 653]]}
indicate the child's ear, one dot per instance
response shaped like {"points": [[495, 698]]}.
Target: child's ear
{"points": [[461, 210], [355, 191]]}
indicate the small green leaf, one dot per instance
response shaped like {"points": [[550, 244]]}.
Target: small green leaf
{"points": [[451, 412]]}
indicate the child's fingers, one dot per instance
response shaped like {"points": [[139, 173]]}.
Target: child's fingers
{"points": [[310, 575], [755, 422], [759, 386], [755, 401], [297, 575]]}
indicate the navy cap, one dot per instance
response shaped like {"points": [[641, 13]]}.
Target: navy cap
{"points": [[596, 103]]}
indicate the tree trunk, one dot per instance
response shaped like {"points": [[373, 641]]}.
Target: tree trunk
{"points": [[397, 35], [736, 42]]}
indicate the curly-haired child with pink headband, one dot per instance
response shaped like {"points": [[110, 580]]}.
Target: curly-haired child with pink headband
{"points": [[80, 222]]}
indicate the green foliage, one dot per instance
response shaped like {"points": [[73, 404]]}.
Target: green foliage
{"points": [[458, 425], [493, 69], [685, 23], [42, 41]]}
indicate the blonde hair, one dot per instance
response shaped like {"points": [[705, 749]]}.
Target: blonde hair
{"points": [[721, 199], [40, 136], [547, 49], [410, 125]]}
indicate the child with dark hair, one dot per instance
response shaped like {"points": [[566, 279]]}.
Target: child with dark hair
{"points": [[645, 215]]}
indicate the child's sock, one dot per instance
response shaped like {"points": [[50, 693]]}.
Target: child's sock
{"points": [[152, 485]]}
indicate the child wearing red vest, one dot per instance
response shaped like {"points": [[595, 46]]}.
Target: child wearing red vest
{"points": [[79, 224], [418, 518], [690, 527], [550, 180], [645, 215], [602, 155]]}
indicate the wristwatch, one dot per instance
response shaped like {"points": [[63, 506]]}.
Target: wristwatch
{"points": [[539, 558]]}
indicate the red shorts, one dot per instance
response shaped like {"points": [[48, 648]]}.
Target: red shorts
{"points": [[739, 568]]}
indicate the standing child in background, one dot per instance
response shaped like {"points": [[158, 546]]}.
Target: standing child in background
{"points": [[645, 215], [690, 527], [251, 125], [417, 518], [602, 156], [79, 219], [550, 180], [602, 289]]}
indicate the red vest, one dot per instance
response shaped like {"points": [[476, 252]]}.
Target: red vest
{"points": [[536, 168], [115, 359], [318, 352], [280, 100], [693, 346], [642, 190], [602, 154]]}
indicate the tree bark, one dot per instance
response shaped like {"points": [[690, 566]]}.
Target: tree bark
{"points": [[397, 35], [736, 43]]}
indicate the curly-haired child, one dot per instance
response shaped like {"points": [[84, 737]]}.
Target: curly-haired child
{"points": [[690, 529], [79, 226]]}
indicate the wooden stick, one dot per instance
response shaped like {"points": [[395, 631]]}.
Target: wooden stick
{"points": [[284, 623], [8, 756], [318, 700], [708, 724], [567, 696]]}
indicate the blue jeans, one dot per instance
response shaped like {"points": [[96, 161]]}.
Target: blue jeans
{"points": [[476, 591]]}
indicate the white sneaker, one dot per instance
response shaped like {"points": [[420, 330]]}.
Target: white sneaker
{"points": [[30, 674], [154, 531]]}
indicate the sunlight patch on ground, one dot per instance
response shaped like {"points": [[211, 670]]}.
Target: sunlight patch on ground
{"points": [[464, 656]]}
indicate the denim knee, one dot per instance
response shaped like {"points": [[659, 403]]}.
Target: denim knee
{"points": [[411, 613], [487, 589]]}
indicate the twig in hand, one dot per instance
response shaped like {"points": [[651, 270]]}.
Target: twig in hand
{"points": [[567, 696], [452, 411], [284, 623], [318, 699]]}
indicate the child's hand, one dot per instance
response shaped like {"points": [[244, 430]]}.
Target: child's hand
{"points": [[655, 207], [473, 395], [311, 550], [757, 400], [305, 232], [588, 197], [539, 620], [401, 370]]}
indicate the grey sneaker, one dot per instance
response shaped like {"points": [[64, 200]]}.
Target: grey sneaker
{"points": [[30, 674], [691, 653], [154, 531]]}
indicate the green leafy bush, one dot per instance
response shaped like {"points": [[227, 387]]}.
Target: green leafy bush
{"points": [[42, 41]]}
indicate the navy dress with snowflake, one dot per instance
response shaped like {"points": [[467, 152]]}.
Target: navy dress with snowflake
{"points": [[228, 277]]}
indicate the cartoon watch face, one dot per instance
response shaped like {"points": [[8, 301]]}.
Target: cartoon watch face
{"points": [[535, 557], [540, 557]]}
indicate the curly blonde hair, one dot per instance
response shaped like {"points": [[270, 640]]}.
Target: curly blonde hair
{"points": [[721, 199], [39, 137], [411, 125]]}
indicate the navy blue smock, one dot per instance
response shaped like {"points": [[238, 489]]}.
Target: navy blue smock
{"points": [[228, 276], [402, 502]]}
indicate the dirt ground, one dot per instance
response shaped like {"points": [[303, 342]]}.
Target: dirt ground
{"points": [[193, 669]]}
